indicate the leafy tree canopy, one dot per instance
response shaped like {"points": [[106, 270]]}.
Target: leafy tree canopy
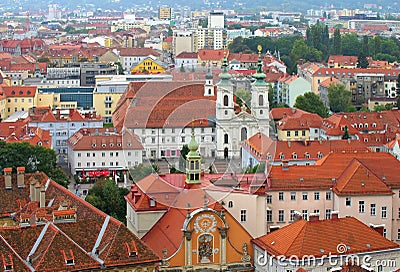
{"points": [[339, 98], [312, 103], [33, 158]]}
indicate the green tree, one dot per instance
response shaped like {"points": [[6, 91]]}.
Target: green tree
{"points": [[120, 69], [33, 158], [362, 60], [339, 98], [182, 69], [182, 158], [350, 45], [312, 103], [106, 196], [237, 45], [337, 42], [141, 171], [365, 45], [377, 45], [346, 135]]}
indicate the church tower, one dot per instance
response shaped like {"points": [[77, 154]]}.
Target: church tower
{"points": [[224, 93], [193, 165], [259, 97], [209, 85]]}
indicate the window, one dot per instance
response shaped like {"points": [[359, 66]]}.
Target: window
{"points": [[316, 195], [328, 214], [373, 209], [399, 214], [305, 196], [296, 133], [292, 195], [384, 212], [361, 206], [316, 211], [291, 215], [260, 100], [111, 154], [305, 214], [303, 133], [87, 154], [328, 196], [79, 155], [243, 216], [226, 100], [281, 196], [384, 235], [225, 138], [288, 133], [230, 204], [348, 201], [269, 216], [269, 199], [281, 215], [103, 154], [398, 234]]}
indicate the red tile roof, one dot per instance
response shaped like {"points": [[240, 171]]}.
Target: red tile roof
{"points": [[165, 104], [244, 58], [20, 91], [309, 238], [186, 55], [351, 72], [357, 179], [65, 240], [279, 113], [343, 60], [302, 122], [328, 82], [212, 55], [103, 139], [44, 114]]}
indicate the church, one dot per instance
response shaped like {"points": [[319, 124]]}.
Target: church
{"points": [[162, 114], [181, 222]]}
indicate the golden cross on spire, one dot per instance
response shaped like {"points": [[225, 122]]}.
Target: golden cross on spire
{"points": [[259, 48]]}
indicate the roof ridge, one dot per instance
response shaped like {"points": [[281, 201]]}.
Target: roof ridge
{"points": [[49, 244], [16, 254], [302, 232]]}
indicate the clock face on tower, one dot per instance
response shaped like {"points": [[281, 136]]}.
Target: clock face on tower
{"points": [[205, 223]]}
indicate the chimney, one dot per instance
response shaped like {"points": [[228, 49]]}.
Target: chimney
{"points": [[58, 114], [335, 215], [32, 190], [297, 216], [378, 228], [21, 177], [37, 191], [42, 203], [7, 177], [314, 217], [285, 165]]}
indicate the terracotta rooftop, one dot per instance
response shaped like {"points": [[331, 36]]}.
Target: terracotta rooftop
{"points": [[212, 55], [58, 242], [20, 91], [309, 238], [165, 104], [142, 52], [186, 55], [103, 139]]}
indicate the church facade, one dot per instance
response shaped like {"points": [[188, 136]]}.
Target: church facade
{"points": [[163, 114]]}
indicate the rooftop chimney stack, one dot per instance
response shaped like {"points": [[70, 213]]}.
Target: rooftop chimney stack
{"points": [[21, 177], [42, 203], [37, 191], [7, 178], [32, 190]]}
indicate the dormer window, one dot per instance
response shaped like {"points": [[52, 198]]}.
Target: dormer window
{"points": [[307, 155], [68, 257], [319, 155], [294, 156], [152, 202], [131, 249], [8, 267]]}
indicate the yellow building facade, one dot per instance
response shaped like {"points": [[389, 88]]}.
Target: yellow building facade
{"points": [[148, 66]]}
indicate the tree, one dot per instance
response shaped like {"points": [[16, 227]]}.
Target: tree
{"points": [[140, 171], [346, 135], [33, 158], [312, 103], [182, 158], [365, 45], [237, 45], [339, 98], [362, 60], [377, 45], [350, 45], [337, 42], [182, 69], [120, 69], [106, 196]]}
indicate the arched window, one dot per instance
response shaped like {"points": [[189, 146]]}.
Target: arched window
{"points": [[209, 91], [260, 100], [226, 138], [226, 100], [243, 134], [230, 204]]}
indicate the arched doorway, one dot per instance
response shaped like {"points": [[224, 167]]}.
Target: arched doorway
{"points": [[226, 153]]}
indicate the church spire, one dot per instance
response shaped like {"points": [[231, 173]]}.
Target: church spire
{"points": [[224, 75], [193, 158], [259, 75]]}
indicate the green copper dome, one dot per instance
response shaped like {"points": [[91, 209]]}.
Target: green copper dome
{"points": [[259, 76]]}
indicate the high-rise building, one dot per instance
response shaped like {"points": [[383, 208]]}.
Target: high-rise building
{"points": [[164, 13], [216, 20]]}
